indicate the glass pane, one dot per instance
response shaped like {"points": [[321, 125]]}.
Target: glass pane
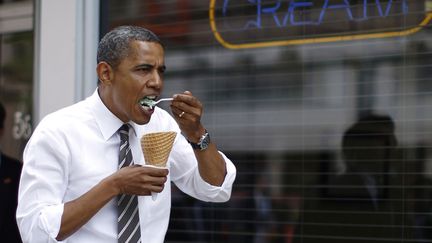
{"points": [[324, 106], [16, 90]]}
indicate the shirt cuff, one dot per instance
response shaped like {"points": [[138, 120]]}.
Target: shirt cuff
{"points": [[220, 193], [50, 220]]}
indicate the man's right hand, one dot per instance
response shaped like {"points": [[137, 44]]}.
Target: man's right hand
{"points": [[140, 180], [132, 180]]}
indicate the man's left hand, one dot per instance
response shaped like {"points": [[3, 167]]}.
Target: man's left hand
{"points": [[187, 111]]}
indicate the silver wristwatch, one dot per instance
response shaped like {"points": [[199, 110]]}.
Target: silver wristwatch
{"points": [[202, 143]]}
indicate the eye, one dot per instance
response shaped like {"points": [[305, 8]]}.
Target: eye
{"points": [[144, 69], [161, 70]]}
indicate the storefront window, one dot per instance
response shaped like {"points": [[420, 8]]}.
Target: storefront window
{"points": [[16, 90], [324, 106]]}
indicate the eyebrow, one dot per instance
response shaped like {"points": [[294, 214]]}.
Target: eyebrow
{"points": [[163, 67]]}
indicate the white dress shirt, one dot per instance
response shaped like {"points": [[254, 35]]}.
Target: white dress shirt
{"points": [[74, 148]]}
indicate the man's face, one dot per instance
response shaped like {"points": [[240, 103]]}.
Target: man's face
{"points": [[139, 75]]}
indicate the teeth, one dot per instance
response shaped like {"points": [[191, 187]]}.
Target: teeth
{"points": [[148, 101], [146, 108]]}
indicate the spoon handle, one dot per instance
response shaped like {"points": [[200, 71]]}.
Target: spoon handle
{"points": [[165, 99]]}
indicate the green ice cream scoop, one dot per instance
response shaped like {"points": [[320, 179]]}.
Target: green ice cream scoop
{"points": [[152, 103]]}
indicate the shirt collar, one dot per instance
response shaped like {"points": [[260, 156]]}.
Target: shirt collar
{"points": [[108, 123]]}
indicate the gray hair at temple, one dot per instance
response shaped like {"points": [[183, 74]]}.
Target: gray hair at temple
{"points": [[114, 46]]}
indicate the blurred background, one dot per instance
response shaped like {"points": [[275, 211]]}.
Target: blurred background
{"points": [[325, 107]]}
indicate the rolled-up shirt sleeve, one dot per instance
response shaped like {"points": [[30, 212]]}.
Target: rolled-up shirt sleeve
{"points": [[42, 187], [186, 176]]}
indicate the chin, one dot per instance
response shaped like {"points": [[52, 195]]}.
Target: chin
{"points": [[142, 121]]}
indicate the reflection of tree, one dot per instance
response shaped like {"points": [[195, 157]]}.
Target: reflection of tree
{"points": [[16, 85], [17, 69]]}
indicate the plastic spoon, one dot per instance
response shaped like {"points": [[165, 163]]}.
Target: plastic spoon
{"points": [[160, 100], [151, 103]]}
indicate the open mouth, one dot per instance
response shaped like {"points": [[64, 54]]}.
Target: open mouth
{"points": [[148, 102]]}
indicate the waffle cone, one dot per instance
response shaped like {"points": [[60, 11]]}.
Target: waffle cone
{"points": [[157, 147]]}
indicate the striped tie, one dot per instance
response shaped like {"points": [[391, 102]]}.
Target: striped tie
{"points": [[128, 217]]}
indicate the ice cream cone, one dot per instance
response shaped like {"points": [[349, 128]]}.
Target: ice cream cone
{"points": [[157, 147]]}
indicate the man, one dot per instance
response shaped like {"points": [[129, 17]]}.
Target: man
{"points": [[72, 189], [362, 203], [10, 170]]}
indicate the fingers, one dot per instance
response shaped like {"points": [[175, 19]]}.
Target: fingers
{"points": [[153, 176], [186, 108], [156, 188], [156, 178], [141, 180], [186, 103], [155, 171], [137, 170]]}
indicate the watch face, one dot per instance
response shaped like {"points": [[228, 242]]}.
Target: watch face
{"points": [[205, 141]]}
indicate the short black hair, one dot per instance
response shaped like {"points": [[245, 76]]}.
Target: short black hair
{"points": [[2, 115], [114, 46], [370, 127]]}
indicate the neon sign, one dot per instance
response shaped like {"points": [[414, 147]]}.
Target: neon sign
{"points": [[240, 24]]}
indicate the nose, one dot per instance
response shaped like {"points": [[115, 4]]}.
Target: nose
{"points": [[156, 81]]}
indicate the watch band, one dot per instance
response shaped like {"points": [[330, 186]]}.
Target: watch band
{"points": [[202, 143], [194, 145]]}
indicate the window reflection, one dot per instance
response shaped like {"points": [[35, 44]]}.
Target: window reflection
{"points": [[16, 90], [281, 113]]}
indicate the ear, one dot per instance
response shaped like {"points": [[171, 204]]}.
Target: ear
{"points": [[105, 73]]}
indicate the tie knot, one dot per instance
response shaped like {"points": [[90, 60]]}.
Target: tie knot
{"points": [[124, 132]]}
